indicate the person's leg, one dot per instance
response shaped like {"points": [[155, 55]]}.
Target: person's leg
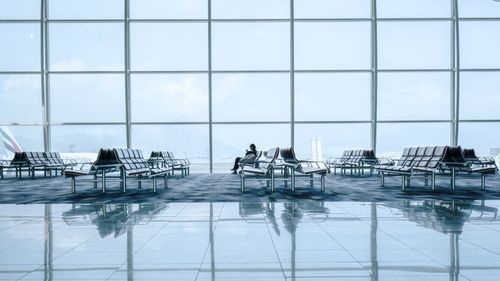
{"points": [[236, 161]]}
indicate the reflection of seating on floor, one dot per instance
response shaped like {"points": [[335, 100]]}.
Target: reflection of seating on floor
{"points": [[445, 161], [444, 216], [302, 168], [255, 212], [293, 212], [112, 218]]}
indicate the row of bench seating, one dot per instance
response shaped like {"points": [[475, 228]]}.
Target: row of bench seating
{"points": [[435, 160], [47, 162], [131, 164], [168, 158], [354, 160], [265, 167]]}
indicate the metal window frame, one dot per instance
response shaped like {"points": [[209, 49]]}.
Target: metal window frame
{"points": [[374, 70]]}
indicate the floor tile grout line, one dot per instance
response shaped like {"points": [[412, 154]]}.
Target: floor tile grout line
{"points": [[208, 246], [275, 250]]}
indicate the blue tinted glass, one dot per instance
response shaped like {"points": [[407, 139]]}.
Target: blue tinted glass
{"points": [[249, 9], [86, 9], [168, 9], [332, 8], [87, 138], [86, 46], [20, 99], [169, 97], [87, 97], [169, 46], [479, 43], [420, 45], [332, 45], [20, 9], [251, 97], [251, 46], [20, 47]]}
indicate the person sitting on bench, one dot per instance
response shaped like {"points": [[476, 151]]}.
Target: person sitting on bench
{"points": [[250, 156]]}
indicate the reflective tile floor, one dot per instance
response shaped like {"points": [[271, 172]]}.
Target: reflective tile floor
{"points": [[299, 240]]}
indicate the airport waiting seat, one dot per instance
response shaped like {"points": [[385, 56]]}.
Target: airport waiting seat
{"points": [[133, 165], [182, 165], [445, 161], [105, 163], [261, 169], [357, 161], [305, 168]]}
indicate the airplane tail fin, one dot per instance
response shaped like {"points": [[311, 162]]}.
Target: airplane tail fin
{"points": [[9, 142]]}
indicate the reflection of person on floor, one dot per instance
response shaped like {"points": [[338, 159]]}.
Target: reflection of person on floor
{"points": [[250, 156]]}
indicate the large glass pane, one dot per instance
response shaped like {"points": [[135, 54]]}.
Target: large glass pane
{"points": [[20, 9], [334, 138], [392, 138], [86, 9], [230, 141], [20, 138], [479, 43], [86, 46], [406, 45], [20, 47], [169, 46], [169, 97], [20, 99], [185, 141], [332, 96], [414, 96], [332, 45], [251, 46], [168, 9], [479, 8], [249, 9], [482, 137], [413, 8], [251, 97], [87, 97], [87, 139], [479, 95], [332, 8]]}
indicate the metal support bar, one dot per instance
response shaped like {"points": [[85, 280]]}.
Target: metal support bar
{"points": [[272, 181], [453, 177], [374, 78], [103, 178], [127, 73], [124, 182]]}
